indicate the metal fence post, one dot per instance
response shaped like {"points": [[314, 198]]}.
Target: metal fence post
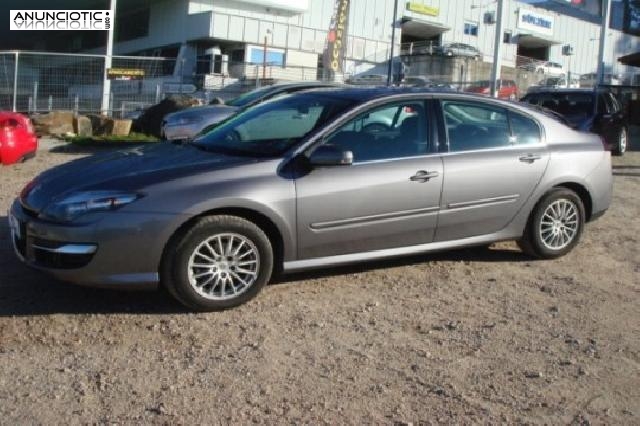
{"points": [[15, 81], [158, 99], [76, 104], [50, 104], [35, 96]]}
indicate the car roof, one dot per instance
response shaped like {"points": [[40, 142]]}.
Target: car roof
{"points": [[365, 93]]}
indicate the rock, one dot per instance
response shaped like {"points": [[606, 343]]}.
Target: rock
{"points": [[57, 123], [121, 127], [101, 124], [83, 127], [533, 374]]}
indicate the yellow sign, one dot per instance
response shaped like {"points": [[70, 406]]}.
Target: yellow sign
{"points": [[125, 74], [423, 9]]}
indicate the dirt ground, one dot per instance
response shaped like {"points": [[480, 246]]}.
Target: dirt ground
{"points": [[471, 336]]}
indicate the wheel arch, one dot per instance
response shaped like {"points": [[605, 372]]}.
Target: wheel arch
{"points": [[262, 221], [582, 192]]}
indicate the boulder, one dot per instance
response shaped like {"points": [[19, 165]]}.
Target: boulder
{"points": [[57, 123], [121, 127], [101, 124], [83, 127]]}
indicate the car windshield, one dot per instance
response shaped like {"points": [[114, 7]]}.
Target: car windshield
{"points": [[482, 83], [250, 97], [271, 128]]}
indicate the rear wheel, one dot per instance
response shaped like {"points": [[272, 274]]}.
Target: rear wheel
{"points": [[621, 143], [555, 225], [218, 263]]}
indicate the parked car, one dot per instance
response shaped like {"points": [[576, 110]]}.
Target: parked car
{"points": [[417, 81], [18, 140], [507, 89], [555, 83], [590, 80], [546, 67], [458, 49], [578, 106], [189, 122], [367, 80], [298, 183]]}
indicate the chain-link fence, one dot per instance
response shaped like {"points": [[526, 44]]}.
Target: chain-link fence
{"points": [[41, 82]]}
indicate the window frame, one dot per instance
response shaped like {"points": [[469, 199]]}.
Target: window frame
{"points": [[444, 147]]}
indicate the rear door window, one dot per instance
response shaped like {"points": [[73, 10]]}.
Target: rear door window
{"points": [[473, 126]]}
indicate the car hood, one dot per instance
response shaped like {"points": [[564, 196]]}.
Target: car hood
{"points": [[203, 112], [126, 170]]}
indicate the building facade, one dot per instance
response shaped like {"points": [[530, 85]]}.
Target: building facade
{"points": [[293, 34]]}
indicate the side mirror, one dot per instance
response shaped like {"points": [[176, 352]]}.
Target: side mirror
{"points": [[330, 155]]}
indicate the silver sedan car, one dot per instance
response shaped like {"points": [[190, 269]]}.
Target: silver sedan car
{"points": [[303, 182], [188, 123]]}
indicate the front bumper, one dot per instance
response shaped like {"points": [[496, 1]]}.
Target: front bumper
{"points": [[114, 249]]}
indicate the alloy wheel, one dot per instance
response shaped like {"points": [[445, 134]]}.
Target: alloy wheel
{"points": [[224, 266], [559, 224]]}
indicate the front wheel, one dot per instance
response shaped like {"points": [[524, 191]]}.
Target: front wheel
{"points": [[621, 143], [555, 225], [217, 263]]}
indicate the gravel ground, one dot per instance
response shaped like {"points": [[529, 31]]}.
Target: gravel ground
{"points": [[471, 336]]}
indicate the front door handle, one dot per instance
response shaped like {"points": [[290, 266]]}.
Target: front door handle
{"points": [[423, 176], [530, 158]]}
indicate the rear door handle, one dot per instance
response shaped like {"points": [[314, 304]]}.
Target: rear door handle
{"points": [[530, 158], [423, 176]]}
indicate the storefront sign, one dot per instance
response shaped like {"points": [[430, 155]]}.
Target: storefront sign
{"points": [[125, 74], [422, 9], [535, 21], [335, 48]]}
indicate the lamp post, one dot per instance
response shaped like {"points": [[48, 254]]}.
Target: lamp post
{"points": [[393, 41], [264, 56], [106, 83], [497, 51]]}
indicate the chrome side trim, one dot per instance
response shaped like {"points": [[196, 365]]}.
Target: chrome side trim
{"points": [[70, 249], [318, 262], [484, 202], [373, 218]]}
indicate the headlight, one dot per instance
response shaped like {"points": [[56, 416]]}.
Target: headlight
{"points": [[79, 203]]}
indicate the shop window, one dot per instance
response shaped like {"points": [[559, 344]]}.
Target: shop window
{"points": [[471, 28], [274, 57]]}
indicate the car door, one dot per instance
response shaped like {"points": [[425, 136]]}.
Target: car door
{"points": [[495, 159], [389, 197]]}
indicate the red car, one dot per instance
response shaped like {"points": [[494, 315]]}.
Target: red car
{"points": [[18, 140], [507, 89]]}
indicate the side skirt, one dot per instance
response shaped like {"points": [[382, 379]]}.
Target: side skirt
{"points": [[343, 259]]}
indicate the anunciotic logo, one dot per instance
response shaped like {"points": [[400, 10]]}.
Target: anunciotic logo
{"points": [[76, 20]]}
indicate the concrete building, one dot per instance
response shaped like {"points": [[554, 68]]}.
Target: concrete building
{"points": [[235, 32]]}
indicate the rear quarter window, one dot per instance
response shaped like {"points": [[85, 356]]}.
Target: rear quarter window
{"points": [[525, 131]]}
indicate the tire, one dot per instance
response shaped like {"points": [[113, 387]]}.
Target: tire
{"points": [[553, 231], [204, 273], [622, 143]]}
